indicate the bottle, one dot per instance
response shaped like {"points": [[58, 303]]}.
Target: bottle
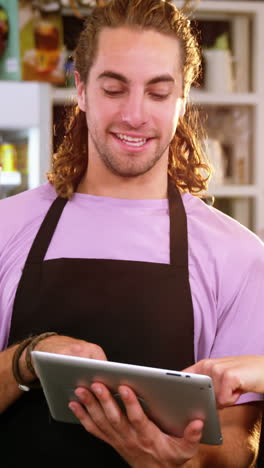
{"points": [[4, 30], [47, 37], [8, 157]]}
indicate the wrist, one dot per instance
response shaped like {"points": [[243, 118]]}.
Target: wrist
{"points": [[22, 367], [33, 345], [20, 372], [26, 375]]}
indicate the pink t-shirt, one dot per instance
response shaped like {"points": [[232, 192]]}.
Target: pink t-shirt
{"points": [[226, 261]]}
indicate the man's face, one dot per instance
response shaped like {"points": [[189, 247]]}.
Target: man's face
{"points": [[132, 100]]}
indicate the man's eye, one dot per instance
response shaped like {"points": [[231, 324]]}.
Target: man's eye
{"points": [[109, 92], [159, 97]]}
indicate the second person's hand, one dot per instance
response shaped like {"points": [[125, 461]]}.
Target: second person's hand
{"points": [[232, 376]]}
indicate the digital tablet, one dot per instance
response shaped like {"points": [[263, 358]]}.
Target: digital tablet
{"points": [[169, 398]]}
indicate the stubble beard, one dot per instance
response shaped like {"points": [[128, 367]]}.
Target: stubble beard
{"points": [[131, 167]]}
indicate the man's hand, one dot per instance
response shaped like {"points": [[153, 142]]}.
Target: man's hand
{"points": [[9, 391], [60, 344], [137, 439], [232, 376]]}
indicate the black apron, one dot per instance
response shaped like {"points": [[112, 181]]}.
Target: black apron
{"points": [[138, 312]]}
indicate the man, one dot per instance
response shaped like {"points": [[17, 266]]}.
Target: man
{"points": [[112, 268]]}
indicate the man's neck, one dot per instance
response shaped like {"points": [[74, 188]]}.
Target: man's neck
{"points": [[134, 188]]}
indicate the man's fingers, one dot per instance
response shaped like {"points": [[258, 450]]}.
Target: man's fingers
{"points": [[193, 432], [188, 445], [86, 420], [134, 410], [109, 406], [98, 405]]}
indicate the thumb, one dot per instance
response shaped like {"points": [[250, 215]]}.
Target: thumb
{"points": [[193, 432]]}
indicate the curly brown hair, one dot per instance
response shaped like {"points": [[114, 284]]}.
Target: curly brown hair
{"points": [[188, 166]]}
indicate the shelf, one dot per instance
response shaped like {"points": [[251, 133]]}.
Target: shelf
{"points": [[68, 96], [233, 191], [64, 95], [239, 99], [22, 99], [206, 5], [230, 7], [82, 11], [10, 178]]}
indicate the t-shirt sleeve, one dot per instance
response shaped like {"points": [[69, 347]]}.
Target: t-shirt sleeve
{"points": [[240, 326]]}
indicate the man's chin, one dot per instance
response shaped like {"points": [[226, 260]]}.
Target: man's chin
{"points": [[130, 172], [129, 165]]}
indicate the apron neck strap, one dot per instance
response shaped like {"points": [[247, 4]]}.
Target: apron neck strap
{"points": [[178, 229]]}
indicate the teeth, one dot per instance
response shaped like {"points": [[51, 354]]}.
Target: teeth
{"points": [[131, 140]]}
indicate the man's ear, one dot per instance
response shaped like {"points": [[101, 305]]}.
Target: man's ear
{"points": [[183, 107], [80, 91]]}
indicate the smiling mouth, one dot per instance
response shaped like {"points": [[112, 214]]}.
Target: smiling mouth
{"points": [[132, 141]]}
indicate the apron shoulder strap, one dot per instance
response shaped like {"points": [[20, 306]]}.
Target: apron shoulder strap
{"points": [[42, 240], [178, 228]]}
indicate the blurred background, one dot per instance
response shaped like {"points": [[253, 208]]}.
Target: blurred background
{"points": [[37, 39]]}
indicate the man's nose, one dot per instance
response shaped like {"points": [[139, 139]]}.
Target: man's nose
{"points": [[134, 110]]}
